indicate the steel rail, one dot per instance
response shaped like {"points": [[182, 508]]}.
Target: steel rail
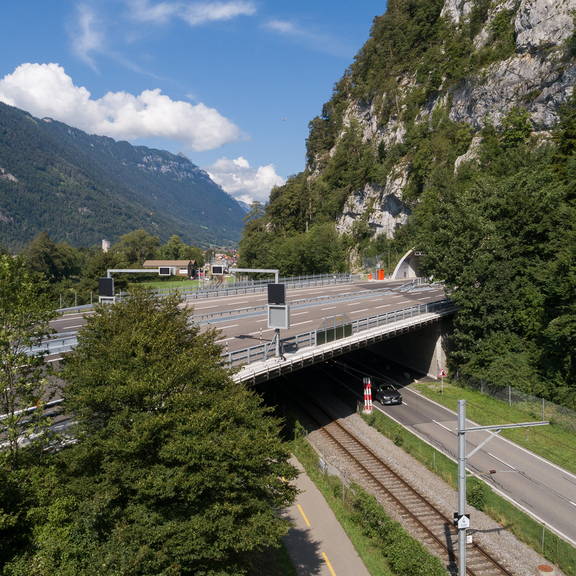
{"points": [[338, 434]]}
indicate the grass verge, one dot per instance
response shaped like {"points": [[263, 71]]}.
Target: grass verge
{"points": [[520, 524], [552, 442], [384, 546]]}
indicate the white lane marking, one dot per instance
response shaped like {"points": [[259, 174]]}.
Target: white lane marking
{"points": [[196, 308], [223, 340], [258, 332], [230, 326], [65, 317], [358, 311], [259, 321], [76, 326], [511, 444], [329, 308], [425, 298], [500, 460], [300, 323], [353, 303], [493, 486], [573, 503], [443, 426], [384, 306], [299, 314]]}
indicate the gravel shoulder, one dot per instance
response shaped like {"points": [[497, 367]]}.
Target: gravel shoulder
{"points": [[516, 556]]}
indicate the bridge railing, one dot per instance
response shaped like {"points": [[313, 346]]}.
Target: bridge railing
{"points": [[256, 286], [293, 343], [56, 344]]}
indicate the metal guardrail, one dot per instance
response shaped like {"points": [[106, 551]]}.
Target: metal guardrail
{"points": [[57, 344], [256, 286], [293, 343], [302, 302], [358, 295]]}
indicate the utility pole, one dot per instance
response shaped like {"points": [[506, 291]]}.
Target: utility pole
{"points": [[461, 519]]}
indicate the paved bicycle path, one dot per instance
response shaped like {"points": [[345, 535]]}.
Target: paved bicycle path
{"points": [[316, 543]]}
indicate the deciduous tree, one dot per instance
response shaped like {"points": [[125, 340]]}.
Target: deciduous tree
{"points": [[177, 470]]}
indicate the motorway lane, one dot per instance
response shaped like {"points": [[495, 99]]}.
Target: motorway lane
{"points": [[71, 322], [538, 486], [242, 332], [541, 488]]}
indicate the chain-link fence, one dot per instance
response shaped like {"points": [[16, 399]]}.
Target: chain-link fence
{"points": [[539, 408]]}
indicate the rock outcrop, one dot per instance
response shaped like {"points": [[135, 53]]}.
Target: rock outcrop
{"points": [[538, 75]]}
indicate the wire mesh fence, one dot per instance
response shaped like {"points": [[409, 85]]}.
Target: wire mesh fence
{"points": [[539, 408]]}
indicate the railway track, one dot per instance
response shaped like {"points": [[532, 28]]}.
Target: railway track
{"points": [[420, 516]]}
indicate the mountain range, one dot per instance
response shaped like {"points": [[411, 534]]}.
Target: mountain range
{"points": [[81, 188]]}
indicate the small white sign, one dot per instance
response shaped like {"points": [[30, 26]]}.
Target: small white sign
{"points": [[463, 522], [278, 316]]}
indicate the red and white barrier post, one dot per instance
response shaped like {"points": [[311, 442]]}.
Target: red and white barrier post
{"points": [[367, 395]]}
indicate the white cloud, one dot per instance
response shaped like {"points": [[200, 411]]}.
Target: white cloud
{"points": [[310, 38], [284, 27], [87, 38], [46, 90], [245, 183], [195, 14]]}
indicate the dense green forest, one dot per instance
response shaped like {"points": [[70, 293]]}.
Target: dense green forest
{"points": [[499, 230], [167, 467], [81, 188], [70, 275]]}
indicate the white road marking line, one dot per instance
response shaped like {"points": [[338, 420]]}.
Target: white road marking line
{"points": [[230, 326], [300, 323], [357, 311], [196, 308], [330, 308], [258, 332], [500, 460], [442, 426], [573, 503], [299, 314], [76, 326], [223, 340], [384, 306]]}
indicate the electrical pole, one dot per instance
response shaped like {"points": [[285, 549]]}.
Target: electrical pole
{"points": [[462, 520]]}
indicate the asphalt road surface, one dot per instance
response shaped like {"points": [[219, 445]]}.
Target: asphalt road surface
{"points": [[544, 490]]}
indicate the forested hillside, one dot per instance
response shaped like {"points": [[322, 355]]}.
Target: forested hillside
{"points": [[454, 132], [80, 188]]}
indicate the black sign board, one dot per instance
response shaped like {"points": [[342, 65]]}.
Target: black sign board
{"points": [[276, 293], [106, 286], [217, 270], [164, 271]]}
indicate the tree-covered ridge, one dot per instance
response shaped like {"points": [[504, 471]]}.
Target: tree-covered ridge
{"points": [[492, 203], [81, 188], [501, 232], [400, 83]]}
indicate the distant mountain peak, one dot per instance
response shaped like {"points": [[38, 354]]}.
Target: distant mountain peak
{"points": [[81, 188]]}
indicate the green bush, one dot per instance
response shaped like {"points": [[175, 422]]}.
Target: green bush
{"points": [[405, 555], [477, 493]]}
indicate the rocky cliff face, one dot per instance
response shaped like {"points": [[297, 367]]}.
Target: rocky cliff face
{"points": [[536, 71]]}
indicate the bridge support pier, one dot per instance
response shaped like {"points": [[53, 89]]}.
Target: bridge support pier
{"points": [[422, 350]]}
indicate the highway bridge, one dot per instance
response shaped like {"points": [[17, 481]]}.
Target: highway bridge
{"points": [[328, 316], [332, 316]]}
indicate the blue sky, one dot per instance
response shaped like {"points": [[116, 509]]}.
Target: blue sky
{"points": [[231, 84]]}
